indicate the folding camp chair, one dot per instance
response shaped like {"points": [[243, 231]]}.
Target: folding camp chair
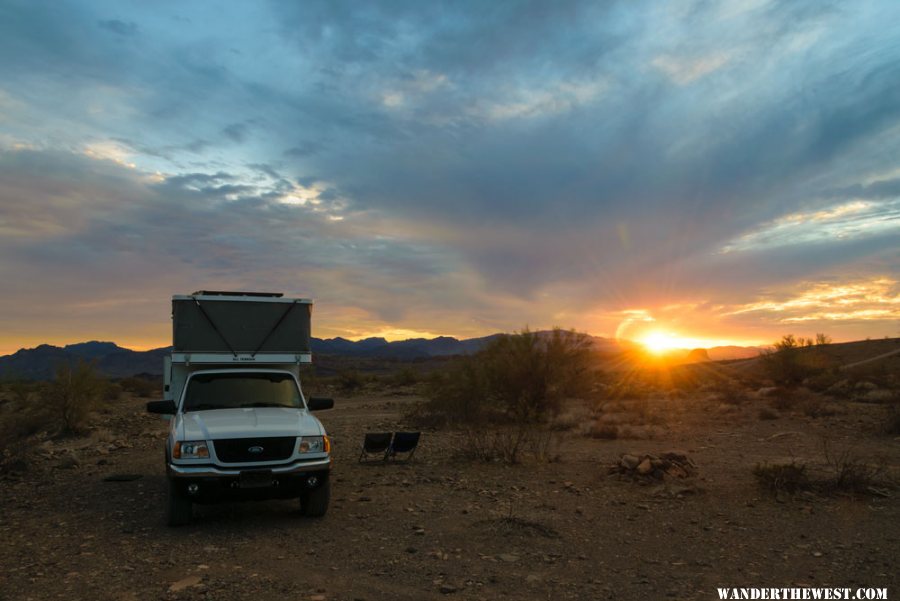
{"points": [[375, 443], [404, 442]]}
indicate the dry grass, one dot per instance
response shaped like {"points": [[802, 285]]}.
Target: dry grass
{"points": [[780, 478]]}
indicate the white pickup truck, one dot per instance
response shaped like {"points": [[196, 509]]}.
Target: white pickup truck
{"points": [[240, 427]]}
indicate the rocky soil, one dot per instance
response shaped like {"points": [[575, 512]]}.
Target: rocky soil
{"points": [[86, 521]]}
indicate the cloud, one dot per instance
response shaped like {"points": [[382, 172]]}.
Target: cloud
{"points": [[122, 28], [876, 299], [684, 71], [504, 163]]}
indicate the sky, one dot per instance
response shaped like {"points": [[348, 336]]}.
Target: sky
{"points": [[726, 172]]}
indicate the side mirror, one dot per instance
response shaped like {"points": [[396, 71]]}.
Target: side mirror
{"points": [[163, 407], [317, 403]]}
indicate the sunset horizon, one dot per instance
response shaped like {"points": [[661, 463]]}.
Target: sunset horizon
{"points": [[730, 179]]}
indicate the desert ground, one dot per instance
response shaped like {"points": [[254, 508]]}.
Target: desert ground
{"points": [[442, 526]]}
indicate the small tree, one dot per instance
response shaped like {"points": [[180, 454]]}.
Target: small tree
{"points": [[782, 362], [522, 376], [74, 392], [823, 340]]}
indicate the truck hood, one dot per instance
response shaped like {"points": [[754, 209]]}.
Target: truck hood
{"points": [[248, 423]]}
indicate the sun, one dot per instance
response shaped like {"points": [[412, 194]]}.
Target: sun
{"points": [[659, 342]]}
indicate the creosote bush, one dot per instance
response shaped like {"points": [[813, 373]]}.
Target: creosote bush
{"points": [[779, 478], [504, 395], [141, 386], [350, 380], [75, 391]]}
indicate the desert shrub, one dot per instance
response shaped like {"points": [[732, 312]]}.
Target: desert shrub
{"points": [[310, 380], [113, 392], [570, 419], [768, 414], [22, 418], [350, 380], [788, 399], [518, 378], [782, 363], [603, 431], [405, 376], [140, 386], [823, 381], [20, 391], [507, 444], [814, 407], [75, 391], [850, 473], [779, 478], [892, 422]]}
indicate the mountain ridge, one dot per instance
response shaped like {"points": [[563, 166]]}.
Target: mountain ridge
{"points": [[115, 361]]}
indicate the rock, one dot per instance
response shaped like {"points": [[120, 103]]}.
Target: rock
{"points": [[68, 461], [447, 589], [630, 461], [184, 583], [879, 395], [317, 598], [644, 467], [508, 557], [676, 471]]}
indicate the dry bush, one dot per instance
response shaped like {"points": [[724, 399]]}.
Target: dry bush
{"points": [[571, 418], [768, 414], [74, 392], [350, 380], [516, 379], [314, 384], [789, 399], [23, 418], [789, 363], [728, 391], [142, 387], [405, 376], [824, 381], [603, 431], [508, 444], [850, 473], [815, 407], [779, 478], [892, 421], [17, 439]]}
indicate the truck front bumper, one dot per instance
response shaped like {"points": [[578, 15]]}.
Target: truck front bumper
{"points": [[211, 483], [213, 471]]}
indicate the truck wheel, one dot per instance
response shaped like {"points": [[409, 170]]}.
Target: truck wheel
{"points": [[179, 509], [314, 503]]}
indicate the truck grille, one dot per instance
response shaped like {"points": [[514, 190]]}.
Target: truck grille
{"points": [[237, 450]]}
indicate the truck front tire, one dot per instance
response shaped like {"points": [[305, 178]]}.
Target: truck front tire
{"points": [[314, 503], [179, 509]]}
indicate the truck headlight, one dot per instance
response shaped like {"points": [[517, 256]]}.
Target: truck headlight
{"points": [[314, 444], [195, 449]]}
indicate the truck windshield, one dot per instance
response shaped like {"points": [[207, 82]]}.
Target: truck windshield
{"points": [[233, 391]]}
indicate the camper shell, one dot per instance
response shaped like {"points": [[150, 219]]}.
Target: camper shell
{"points": [[230, 329]]}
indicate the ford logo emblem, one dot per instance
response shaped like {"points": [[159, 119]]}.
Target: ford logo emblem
{"points": [[255, 450]]}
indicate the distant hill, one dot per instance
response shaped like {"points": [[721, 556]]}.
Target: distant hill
{"points": [[112, 360], [115, 361]]}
